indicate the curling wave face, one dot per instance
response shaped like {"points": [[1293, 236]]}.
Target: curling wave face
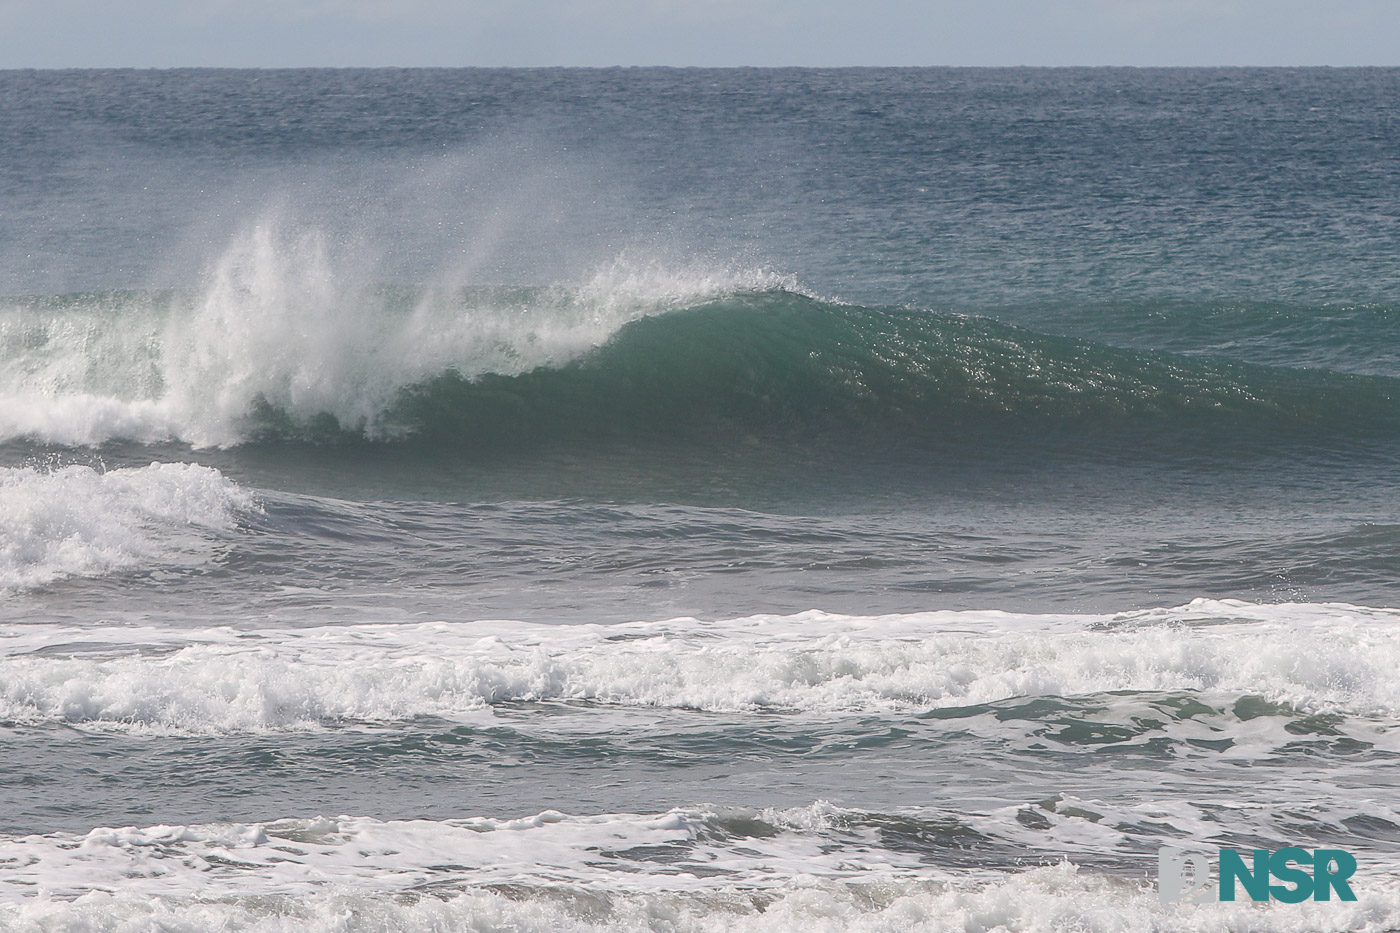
{"points": [[281, 345]]}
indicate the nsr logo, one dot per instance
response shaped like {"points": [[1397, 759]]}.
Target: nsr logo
{"points": [[1330, 870]]}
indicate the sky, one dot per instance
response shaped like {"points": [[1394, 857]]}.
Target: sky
{"points": [[291, 33]]}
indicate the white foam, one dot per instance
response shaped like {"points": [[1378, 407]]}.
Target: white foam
{"points": [[282, 320], [676, 871], [77, 521], [1314, 657], [298, 856], [1047, 900]]}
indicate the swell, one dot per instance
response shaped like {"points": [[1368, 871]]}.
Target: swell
{"points": [[1362, 339]]}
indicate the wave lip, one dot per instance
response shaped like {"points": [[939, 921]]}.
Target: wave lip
{"points": [[78, 521], [226, 680]]}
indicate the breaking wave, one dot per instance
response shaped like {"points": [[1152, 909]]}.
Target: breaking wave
{"points": [[279, 327], [222, 680], [281, 345], [79, 521]]}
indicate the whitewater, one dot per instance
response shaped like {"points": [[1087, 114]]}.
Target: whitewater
{"points": [[674, 500]]}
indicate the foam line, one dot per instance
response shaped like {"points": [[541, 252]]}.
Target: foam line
{"points": [[1311, 657]]}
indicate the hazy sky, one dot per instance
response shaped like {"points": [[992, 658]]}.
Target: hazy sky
{"points": [[160, 33]]}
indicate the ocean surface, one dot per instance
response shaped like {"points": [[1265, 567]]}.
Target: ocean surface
{"points": [[686, 500]]}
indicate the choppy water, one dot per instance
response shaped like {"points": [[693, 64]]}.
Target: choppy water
{"points": [[690, 500]]}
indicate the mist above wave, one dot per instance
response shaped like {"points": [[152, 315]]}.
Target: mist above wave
{"points": [[284, 324]]}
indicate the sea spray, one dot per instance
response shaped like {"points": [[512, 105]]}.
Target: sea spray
{"points": [[286, 327]]}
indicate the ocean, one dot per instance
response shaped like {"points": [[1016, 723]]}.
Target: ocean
{"points": [[695, 500]]}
